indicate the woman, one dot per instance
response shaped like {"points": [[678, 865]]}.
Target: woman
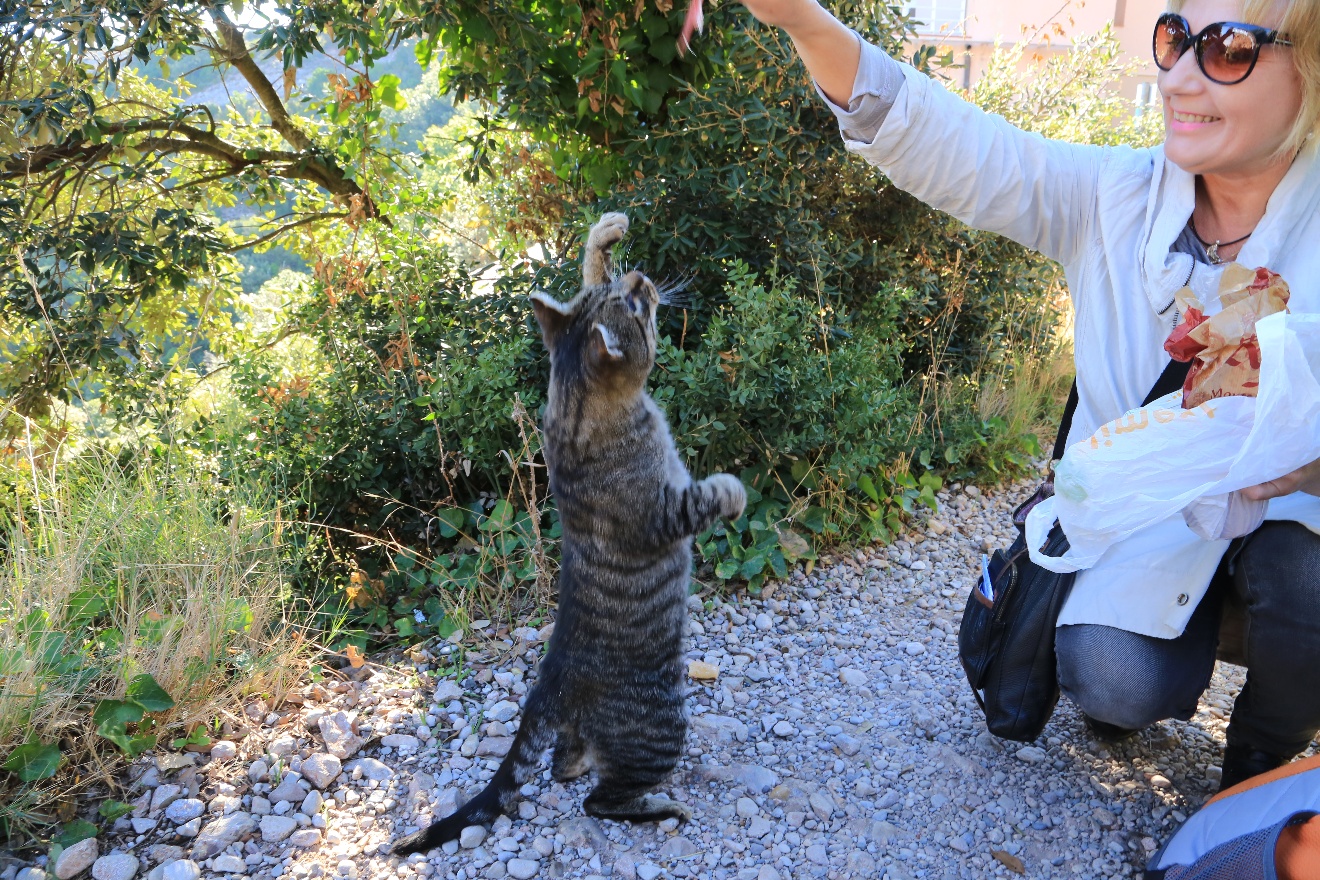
{"points": [[1237, 179]]}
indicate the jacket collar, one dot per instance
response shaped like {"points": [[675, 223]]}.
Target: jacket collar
{"points": [[1172, 197]]}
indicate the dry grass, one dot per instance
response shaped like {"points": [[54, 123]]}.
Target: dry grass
{"points": [[1029, 393], [107, 574]]}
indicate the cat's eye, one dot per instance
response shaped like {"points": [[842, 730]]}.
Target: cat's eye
{"points": [[635, 305]]}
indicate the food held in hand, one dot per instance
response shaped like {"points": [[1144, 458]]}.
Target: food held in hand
{"points": [[1223, 347], [691, 24]]}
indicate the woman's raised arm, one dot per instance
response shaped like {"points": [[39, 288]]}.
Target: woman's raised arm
{"points": [[828, 48]]}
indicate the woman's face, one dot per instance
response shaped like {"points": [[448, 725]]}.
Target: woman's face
{"points": [[1232, 131]]}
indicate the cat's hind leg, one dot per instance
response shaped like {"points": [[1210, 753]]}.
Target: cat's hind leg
{"points": [[632, 759], [570, 756], [634, 807]]}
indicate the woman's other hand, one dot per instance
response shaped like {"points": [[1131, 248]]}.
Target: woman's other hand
{"points": [[1304, 479]]}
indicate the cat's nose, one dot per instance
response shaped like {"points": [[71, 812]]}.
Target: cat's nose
{"points": [[637, 283]]}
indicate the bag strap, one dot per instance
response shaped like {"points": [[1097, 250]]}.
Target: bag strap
{"points": [[1173, 377]]}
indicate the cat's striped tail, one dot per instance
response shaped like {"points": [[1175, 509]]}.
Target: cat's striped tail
{"points": [[535, 735]]}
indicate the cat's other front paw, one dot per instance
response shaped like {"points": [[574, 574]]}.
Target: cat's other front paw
{"points": [[733, 497], [608, 231]]}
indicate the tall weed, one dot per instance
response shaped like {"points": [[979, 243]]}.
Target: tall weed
{"points": [[114, 574]]}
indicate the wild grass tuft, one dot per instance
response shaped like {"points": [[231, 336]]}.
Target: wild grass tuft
{"points": [[108, 573]]}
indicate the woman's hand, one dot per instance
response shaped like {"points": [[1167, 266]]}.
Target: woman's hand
{"points": [[1304, 479], [828, 49], [786, 14]]}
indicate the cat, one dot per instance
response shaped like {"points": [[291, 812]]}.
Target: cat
{"points": [[609, 693]]}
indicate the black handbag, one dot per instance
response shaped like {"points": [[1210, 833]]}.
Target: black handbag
{"points": [[1006, 639]]}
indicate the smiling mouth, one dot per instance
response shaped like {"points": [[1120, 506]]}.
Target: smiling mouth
{"points": [[1193, 117]]}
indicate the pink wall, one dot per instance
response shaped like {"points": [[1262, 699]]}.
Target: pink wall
{"points": [[1050, 24]]}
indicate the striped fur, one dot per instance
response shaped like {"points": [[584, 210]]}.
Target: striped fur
{"points": [[609, 694]]}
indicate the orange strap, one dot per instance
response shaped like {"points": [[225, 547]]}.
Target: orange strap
{"points": [[1297, 855]]}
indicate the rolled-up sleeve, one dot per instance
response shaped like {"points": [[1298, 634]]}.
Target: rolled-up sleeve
{"points": [[878, 81], [976, 166]]}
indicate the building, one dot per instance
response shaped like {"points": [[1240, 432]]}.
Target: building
{"points": [[971, 28]]}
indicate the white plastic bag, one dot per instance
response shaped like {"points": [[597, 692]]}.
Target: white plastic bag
{"points": [[1220, 517], [1152, 462]]}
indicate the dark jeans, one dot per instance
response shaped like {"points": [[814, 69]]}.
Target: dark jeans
{"points": [[1132, 680]]}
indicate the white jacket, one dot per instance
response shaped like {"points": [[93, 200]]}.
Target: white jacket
{"points": [[1109, 215]]}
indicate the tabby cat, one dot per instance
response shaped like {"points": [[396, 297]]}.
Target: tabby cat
{"points": [[609, 694]]}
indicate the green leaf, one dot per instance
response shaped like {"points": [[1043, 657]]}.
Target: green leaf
{"points": [[501, 515], [112, 718], [387, 93], [197, 738], [144, 691], [404, 626], [112, 810], [866, 485], [814, 519], [450, 520], [726, 570], [752, 565], [33, 761], [140, 743], [116, 712], [446, 627], [74, 832]]}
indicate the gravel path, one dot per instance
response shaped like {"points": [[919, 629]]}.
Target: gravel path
{"points": [[837, 739]]}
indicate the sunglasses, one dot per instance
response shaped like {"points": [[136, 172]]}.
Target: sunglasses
{"points": [[1226, 51]]}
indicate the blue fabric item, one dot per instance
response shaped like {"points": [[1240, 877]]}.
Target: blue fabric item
{"points": [[1235, 836], [1248, 857]]}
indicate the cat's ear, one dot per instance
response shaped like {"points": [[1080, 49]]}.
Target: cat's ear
{"points": [[603, 348], [553, 316]]}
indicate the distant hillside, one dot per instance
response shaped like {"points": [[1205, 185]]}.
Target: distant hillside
{"points": [[217, 86], [220, 87]]}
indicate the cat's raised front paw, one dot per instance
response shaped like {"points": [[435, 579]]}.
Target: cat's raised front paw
{"points": [[733, 497], [608, 231]]}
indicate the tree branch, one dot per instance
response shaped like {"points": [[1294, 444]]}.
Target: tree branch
{"points": [[316, 165], [310, 218]]}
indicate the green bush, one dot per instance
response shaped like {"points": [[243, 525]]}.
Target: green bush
{"points": [[839, 346]]}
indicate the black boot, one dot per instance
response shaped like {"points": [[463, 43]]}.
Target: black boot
{"points": [[1243, 762], [1106, 732]]}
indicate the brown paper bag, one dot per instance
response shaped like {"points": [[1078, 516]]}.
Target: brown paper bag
{"points": [[1224, 346]]}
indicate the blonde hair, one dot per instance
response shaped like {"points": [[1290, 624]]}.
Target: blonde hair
{"points": [[1301, 25]]}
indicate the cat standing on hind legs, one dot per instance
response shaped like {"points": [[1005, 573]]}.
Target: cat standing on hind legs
{"points": [[609, 694]]}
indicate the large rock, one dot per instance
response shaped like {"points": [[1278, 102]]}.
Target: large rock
{"points": [[163, 796], [179, 869], [446, 690], [227, 864], [719, 728], [370, 768], [305, 837], [276, 828], [494, 747], [116, 866], [504, 710], [755, 778], [76, 859], [523, 869], [290, 789], [184, 810], [340, 738], [584, 831], [219, 833], [401, 742], [321, 769]]}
